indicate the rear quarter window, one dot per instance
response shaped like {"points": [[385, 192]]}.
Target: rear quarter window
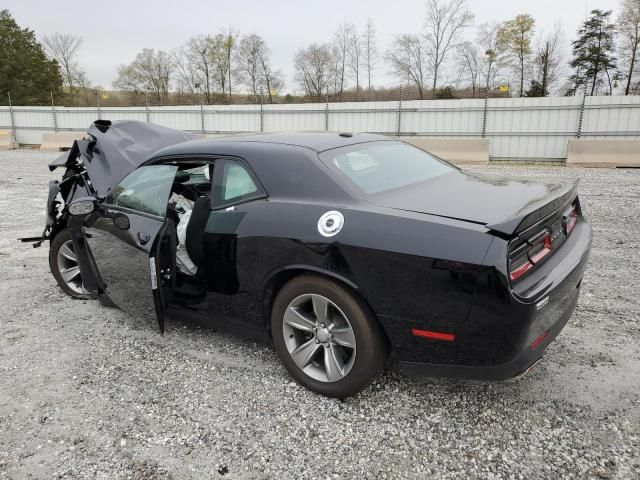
{"points": [[233, 182]]}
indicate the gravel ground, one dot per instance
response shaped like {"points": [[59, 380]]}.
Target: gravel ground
{"points": [[88, 392]]}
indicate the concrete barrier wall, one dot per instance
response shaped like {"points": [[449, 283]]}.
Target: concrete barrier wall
{"points": [[6, 140], [603, 153], [55, 142], [455, 150]]}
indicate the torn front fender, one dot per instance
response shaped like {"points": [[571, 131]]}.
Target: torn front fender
{"points": [[52, 203], [91, 279]]}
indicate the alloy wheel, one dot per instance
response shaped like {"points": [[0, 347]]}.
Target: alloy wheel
{"points": [[319, 338], [69, 268]]}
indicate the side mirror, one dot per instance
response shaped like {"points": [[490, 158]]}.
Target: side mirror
{"points": [[82, 206]]}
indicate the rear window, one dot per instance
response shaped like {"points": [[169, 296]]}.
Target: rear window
{"points": [[380, 166]]}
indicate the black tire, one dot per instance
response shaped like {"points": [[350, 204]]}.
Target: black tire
{"points": [[62, 238], [372, 350]]}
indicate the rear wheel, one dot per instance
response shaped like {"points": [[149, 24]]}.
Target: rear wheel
{"points": [[327, 337], [63, 262]]}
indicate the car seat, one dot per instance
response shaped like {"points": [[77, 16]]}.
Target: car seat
{"points": [[195, 230]]}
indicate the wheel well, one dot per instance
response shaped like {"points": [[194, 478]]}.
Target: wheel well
{"points": [[280, 279], [56, 228]]}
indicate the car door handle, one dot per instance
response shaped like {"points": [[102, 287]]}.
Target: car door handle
{"points": [[143, 238]]}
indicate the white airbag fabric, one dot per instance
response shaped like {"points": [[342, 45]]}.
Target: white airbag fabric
{"points": [[183, 261]]}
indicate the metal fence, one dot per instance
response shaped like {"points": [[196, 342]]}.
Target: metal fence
{"points": [[518, 128]]}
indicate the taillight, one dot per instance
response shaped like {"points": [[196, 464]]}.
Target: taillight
{"points": [[525, 255], [521, 269], [529, 254], [543, 251], [570, 220]]}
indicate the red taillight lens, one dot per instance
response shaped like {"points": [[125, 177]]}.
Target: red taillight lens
{"points": [[520, 270], [541, 246], [527, 253], [546, 249]]}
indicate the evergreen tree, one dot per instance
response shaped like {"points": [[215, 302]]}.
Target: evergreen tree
{"points": [[25, 71], [536, 90], [593, 62]]}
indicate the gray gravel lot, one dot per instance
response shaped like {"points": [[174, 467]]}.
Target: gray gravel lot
{"points": [[88, 392]]}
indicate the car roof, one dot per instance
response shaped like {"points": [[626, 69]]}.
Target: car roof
{"points": [[316, 141]]}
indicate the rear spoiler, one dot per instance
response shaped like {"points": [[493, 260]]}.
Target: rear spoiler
{"points": [[537, 211]]}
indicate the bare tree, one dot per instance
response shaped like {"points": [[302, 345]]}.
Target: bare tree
{"points": [[199, 69], [188, 78], [273, 79], [335, 69], [469, 61], [214, 57], [628, 26], [408, 61], [516, 35], [253, 67], [342, 42], [548, 59], [249, 67], [370, 51], [229, 44], [355, 54], [492, 56], [84, 84], [150, 71], [446, 19], [220, 61], [64, 49], [313, 69]]}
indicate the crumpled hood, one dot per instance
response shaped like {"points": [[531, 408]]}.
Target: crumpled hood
{"points": [[111, 150], [502, 204]]}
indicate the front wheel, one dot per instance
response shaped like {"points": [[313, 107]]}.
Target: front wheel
{"points": [[63, 262], [327, 337]]}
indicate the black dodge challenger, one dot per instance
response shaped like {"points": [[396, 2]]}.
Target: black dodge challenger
{"points": [[339, 248]]}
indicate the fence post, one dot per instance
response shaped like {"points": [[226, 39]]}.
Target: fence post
{"points": [[581, 115], [201, 112], [326, 113], [399, 123], [12, 118], [53, 115], [98, 106], [261, 112], [484, 113], [146, 106]]}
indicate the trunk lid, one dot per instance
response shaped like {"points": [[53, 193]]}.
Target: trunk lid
{"points": [[502, 204]]}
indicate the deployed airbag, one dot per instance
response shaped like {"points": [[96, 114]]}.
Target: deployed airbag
{"points": [[183, 261]]}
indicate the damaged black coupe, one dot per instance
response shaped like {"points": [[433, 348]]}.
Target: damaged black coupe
{"points": [[340, 248]]}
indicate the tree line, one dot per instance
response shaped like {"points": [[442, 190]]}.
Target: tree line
{"points": [[449, 57], [210, 65]]}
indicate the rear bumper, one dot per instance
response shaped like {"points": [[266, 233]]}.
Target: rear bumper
{"points": [[508, 330], [518, 365]]}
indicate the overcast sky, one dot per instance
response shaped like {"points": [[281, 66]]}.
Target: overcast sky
{"points": [[115, 31]]}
